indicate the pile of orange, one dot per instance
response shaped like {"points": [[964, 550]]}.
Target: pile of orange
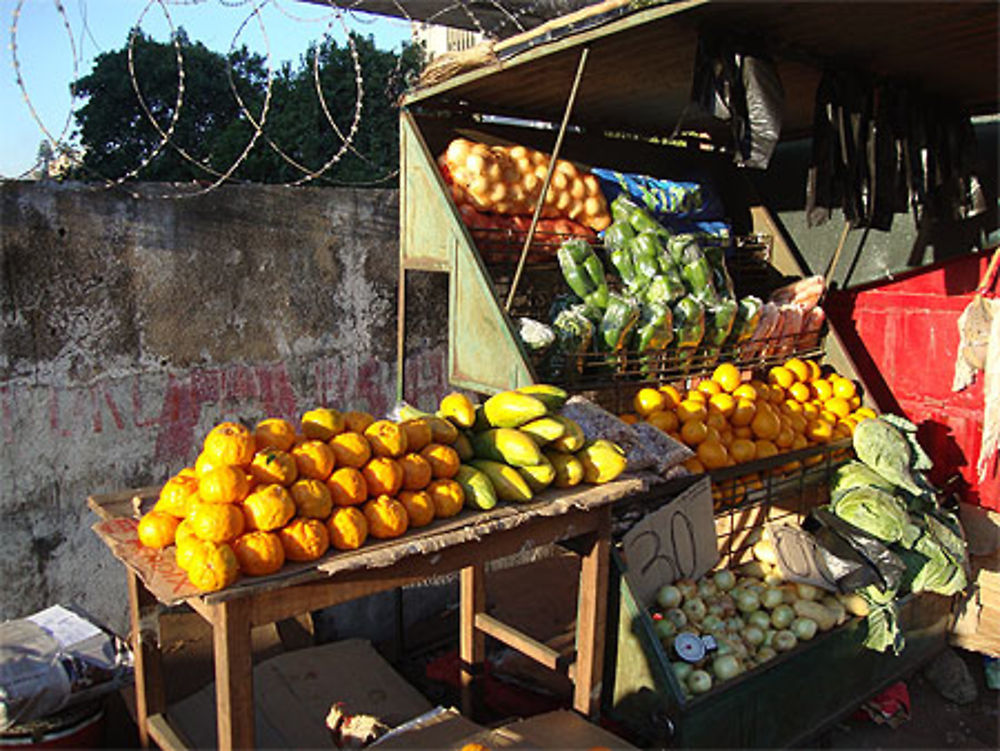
{"points": [[732, 418], [255, 499]]}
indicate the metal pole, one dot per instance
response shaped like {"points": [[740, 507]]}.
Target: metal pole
{"points": [[548, 177]]}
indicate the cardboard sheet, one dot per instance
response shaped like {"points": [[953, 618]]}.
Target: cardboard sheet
{"points": [[161, 575]]}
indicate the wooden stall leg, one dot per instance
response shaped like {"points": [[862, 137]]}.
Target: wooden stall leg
{"points": [[591, 618], [234, 704], [150, 697], [472, 642]]}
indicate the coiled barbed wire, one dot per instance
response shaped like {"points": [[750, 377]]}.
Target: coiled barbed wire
{"points": [[339, 13]]}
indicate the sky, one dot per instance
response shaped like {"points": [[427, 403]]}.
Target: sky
{"points": [[50, 56]]}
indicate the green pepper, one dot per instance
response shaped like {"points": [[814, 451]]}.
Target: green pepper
{"points": [[574, 333], [621, 207], [716, 256], [618, 234], [663, 289], [583, 271], [677, 247], [698, 279], [621, 258], [689, 322], [642, 221], [719, 322], [747, 318], [656, 327], [620, 318]]}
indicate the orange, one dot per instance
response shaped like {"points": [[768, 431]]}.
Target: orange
{"points": [[854, 401], [799, 442], [713, 454], [322, 423], [844, 388], [743, 413], [822, 389], [841, 431], [272, 466], [213, 566], [799, 392], [819, 431], [716, 420], [746, 391], [793, 407], [848, 422], [708, 387], [351, 449], [743, 432], [798, 423], [226, 484], [418, 433], [713, 434], [217, 522], [798, 368], [383, 476], [672, 394], [649, 400], [187, 551], [664, 420], [419, 507], [175, 495], [157, 529], [348, 528], [304, 539], [311, 498], [448, 497], [347, 487], [314, 459], [810, 411], [274, 433], [765, 448], [776, 395], [725, 404], [184, 533], [727, 437], [695, 396], [689, 410], [694, 432], [694, 465], [259, 553], [205, 463], [417, 472], [230, 443], [762, 389], [268, 507], [386, 517], [728, 376], [742, 450], [838, 406], [828, 416], [780, 376], [815, 371], [443, 459], [629, 418], [386, 438], [765, 424], [357, 421], [785, 437], [864, 413]]}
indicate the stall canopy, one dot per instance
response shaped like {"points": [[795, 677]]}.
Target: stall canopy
{"points": [[639, 72]]}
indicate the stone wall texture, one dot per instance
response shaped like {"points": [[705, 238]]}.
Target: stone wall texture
{"points": [[130, 325]]}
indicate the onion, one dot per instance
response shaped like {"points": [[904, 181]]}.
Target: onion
{"points": [[682, 670], [771, 598], [706, 588], [728, 605], [760, 619], [694, 609], [687, 588], [668, 596], [677, 617], [735, 624], [713, 624], [768, 637], [748, 601], [699, 681], [782, 616], [665, 629], [773, 577], [765, 653], [784, 641], [789, 593], [807, 591], [716, 608], [804, 628], [753, 635], [757, 587], [726, 667], [724, 580]]}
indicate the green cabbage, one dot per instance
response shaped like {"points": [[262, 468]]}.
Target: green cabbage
{"points": [[857, 475], [885, 449], [876, 512]]}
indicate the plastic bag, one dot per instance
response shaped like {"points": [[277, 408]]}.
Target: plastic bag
{"points": [[689, 322], [537, 337], [854, 557]]}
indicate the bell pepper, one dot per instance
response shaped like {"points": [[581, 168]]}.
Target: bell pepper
{"points": [[747, 318], [689, 322], [677, 247], [619, 320], [618, 235], [716, 256], [621, 207], [583, 272], [656, 327], [574, 333], [664, 289], [645, 249], [719, 321]]}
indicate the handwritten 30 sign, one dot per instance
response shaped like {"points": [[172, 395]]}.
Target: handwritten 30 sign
{"points": [[674, 542]]}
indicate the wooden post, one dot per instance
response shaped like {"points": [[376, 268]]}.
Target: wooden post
{"points": [[234, 704], [472, 642], [591, 618], [150, 698]]}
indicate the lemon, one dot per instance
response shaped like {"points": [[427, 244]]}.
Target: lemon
{"points": [[723, 403], [648, 400], [799, 392], [798, 369], [746, 391], [781, 376], [689, 409], [838, 406], [822, 389], [672, 394], [709, 388], [727, 376]]}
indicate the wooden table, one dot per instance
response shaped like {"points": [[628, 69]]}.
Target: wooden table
{"points": [[465, 545]]}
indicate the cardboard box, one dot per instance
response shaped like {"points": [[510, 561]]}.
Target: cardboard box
{"points": [[977, 622]]}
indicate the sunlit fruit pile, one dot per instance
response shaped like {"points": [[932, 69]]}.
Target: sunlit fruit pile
{"points": [[728, 419], [255, 499]]}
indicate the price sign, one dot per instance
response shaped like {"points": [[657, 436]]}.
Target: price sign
{"points": [[674, 542], [800, 557]]}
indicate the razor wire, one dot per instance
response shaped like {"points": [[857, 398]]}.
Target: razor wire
{"points": [[504, 17]]}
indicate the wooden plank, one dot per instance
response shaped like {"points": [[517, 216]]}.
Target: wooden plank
{"points": [[233, 675], [591, 617], [119, 504], [165, 736], [150, 698], [529, 647], [471, 642]]}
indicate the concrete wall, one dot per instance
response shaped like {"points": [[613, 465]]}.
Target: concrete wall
{"points": [[131, 326]]}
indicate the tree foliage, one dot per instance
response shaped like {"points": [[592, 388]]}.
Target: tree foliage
{"points": [[215, 131]]}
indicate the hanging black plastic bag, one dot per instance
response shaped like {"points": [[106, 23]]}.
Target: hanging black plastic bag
{"points": [[861, 558], [765, 109]]}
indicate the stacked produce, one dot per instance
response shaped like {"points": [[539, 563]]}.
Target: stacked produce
{"points": [[508, 180], [728, 420], [256, 499], [751, 614]]}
